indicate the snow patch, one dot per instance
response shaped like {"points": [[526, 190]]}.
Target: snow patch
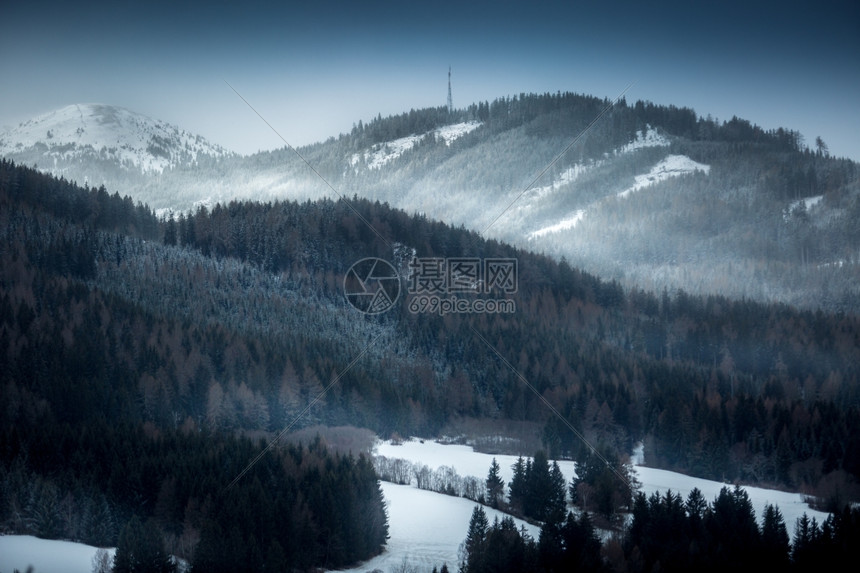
{"points": [[563, 225], [670, 166], [808, 202], [381, 154], [450, 133], [649, 137]]}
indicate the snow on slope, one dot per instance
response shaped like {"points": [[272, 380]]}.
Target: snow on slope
{"points": [[426, 528], [647, 138], [108, 133], [45, 555], [644, 138], [671, 166], [383, 153], [563, 225], [808, 202]]}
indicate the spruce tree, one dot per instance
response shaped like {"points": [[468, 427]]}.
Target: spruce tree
{"points": [[518, 485], [495, 486], [476, 536]]}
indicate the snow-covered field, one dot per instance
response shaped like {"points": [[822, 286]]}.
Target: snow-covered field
{"points": [[470, 463], [425, 528], [44, 555]]}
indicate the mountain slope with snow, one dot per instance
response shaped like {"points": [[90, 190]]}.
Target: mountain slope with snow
{"points": [[104, 133], [719, 215]]}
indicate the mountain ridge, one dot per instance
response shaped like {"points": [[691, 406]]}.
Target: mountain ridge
{"points": [[653, 196], [100, 132]]}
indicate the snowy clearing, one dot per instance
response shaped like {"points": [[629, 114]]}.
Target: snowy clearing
{"points": [[467, 462], [426, 528], [45, 555], [382, 153], [808, 202], [650, 138], [671, 166]]}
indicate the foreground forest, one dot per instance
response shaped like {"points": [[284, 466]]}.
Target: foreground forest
{"points": [[143, 359]]}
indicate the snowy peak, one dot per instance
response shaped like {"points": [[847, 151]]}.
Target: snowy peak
{"points": [[106, 133]]}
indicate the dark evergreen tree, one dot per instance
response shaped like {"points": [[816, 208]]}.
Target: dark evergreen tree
{"points": [[774, 539], [495, 486], [518, 485], [141, 550]]}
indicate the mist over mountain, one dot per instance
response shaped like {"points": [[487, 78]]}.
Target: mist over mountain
{"points": [[652, 196]]}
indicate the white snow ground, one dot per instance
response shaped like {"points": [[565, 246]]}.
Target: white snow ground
{"points": [[470, 463], [45, 555], [426, 528]]}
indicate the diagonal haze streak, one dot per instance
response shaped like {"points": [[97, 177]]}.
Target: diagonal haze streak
{"points": [[311, 167], [558, 157]]}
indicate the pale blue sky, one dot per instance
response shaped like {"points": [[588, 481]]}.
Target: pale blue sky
{"points": [[314, 70]]}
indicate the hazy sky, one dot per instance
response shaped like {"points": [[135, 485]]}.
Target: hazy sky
{"points": [[314, 70]]}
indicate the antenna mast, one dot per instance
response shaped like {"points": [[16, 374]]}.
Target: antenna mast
{"points": [[450, 101]]}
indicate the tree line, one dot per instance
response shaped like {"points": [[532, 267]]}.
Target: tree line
{"points": [[666, 533]]}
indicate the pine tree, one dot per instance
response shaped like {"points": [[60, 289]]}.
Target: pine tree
{"points": [[557, 502], [774, 537], [477, 532], [538, 487], [518, 485], [495, 486]]}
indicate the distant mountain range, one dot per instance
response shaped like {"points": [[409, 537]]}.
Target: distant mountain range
{"points": [[653, 196]]}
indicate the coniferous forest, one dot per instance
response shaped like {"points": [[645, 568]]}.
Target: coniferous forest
{"points": [[146, 362]]}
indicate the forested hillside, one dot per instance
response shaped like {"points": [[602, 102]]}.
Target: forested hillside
{"points": [[98, 441], [138, 352]]}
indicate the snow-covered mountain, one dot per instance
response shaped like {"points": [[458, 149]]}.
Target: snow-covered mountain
{"points": [[107, 135], [655, 197]]}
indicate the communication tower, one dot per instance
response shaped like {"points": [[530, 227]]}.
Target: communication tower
{"points": [[450, 101]]}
